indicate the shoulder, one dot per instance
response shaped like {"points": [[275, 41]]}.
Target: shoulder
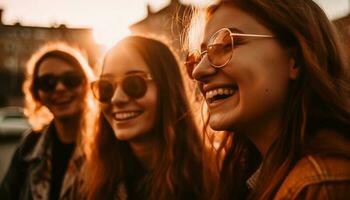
{"points": [[13, 181], [29, 140], [315, 175]]}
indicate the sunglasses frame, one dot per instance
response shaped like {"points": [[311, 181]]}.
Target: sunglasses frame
{"points": [[144, 75], [60, 78], [200, 54]]}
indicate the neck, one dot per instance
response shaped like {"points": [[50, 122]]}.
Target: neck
{"points": [[144, 153], [67, 129], [264, 133]]}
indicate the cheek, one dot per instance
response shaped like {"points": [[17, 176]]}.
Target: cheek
{"points": [[43, 97], [266, 88], [105, 109], [266, 67], [263, 77], [80, 92], [150, 102]]}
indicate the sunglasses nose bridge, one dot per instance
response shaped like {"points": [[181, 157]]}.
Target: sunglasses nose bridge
{"points": [[59, 86]]}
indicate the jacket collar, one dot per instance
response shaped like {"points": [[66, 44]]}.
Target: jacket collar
{"points": [[40, 149], [41, 173]]}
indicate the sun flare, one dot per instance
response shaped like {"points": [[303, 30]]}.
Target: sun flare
{"points": [[107, 36]]}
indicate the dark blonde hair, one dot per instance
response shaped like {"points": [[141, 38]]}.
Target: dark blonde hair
{"points": [[179, 170], [39, 115], [318, 99]]}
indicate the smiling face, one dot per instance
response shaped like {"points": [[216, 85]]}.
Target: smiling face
{"points": [[132, 119], [62, 101], [254, 84]]}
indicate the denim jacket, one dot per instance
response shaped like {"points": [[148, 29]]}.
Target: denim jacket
{"points": [[29, 174]]}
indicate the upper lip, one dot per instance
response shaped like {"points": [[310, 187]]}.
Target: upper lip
{"points": [[207, 87], [62, 100], [123, 111]]}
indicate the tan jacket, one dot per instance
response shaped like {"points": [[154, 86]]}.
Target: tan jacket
{"points": [[319, 176]]}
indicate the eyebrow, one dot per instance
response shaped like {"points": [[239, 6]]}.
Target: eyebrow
{"points": [[127, 73], [68, 72]]}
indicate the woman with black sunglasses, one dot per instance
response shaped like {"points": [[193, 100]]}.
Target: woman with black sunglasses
{"points": [[273, 75], [58, 105], [146, 145]]}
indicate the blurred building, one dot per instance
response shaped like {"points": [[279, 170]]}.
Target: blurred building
{"points": [[167, 23], [18, 42]]}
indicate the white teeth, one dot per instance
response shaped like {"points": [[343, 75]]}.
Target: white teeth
{"points": [[221, 91], [126, 115], [227, 91]]}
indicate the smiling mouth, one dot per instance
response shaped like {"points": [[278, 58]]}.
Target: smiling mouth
{"points": [[60, 102], [218, 94], [122, 116]]}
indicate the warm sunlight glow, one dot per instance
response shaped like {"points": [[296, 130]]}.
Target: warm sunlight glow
{"points": [[200, 3], [108, 36]]}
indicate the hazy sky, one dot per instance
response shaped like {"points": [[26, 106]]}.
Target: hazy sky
{"points": [[74, 13], [105, 16]]}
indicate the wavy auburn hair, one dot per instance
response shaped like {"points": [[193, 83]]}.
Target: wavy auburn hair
{"points": [[318, 99], [178, 173]]}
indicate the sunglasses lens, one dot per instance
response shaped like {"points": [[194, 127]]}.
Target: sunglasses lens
{"points": [[72, 81], [134, 86], [103, 90], [220, 48], [46, 83]]}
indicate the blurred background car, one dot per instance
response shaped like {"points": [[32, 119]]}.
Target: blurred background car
{"points": [[13, 122]]}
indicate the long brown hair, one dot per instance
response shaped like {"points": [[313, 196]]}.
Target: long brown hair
{"points": [[178, 174], [318, 99]]}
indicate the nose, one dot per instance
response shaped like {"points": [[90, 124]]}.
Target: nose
{"points": [[60, 86], [203, 70], [119, 96]]}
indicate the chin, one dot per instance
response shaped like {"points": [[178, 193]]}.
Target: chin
{"points": [[67, 113], [221, 123], [218, 125], [122, 135]]}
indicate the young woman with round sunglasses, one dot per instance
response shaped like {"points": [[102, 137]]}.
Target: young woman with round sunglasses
{"points": [[273, 76], [58, 104], [146, 145]]}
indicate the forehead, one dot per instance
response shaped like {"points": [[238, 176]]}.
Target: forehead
{"points": [[54, 65], [229, 16], [123, 59]]}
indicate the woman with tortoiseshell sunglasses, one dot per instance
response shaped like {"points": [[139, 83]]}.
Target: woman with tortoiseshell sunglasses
{"points": [[146, 144]]}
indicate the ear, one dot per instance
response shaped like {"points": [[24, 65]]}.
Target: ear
{"points": [[293, 69]]}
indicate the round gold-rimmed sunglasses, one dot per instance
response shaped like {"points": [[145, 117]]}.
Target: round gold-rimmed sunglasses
{"points": [[219, 49]]}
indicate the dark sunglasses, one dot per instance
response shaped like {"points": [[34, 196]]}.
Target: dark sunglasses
{"points": [[134, 86], [219, 49], [48, 82]]}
